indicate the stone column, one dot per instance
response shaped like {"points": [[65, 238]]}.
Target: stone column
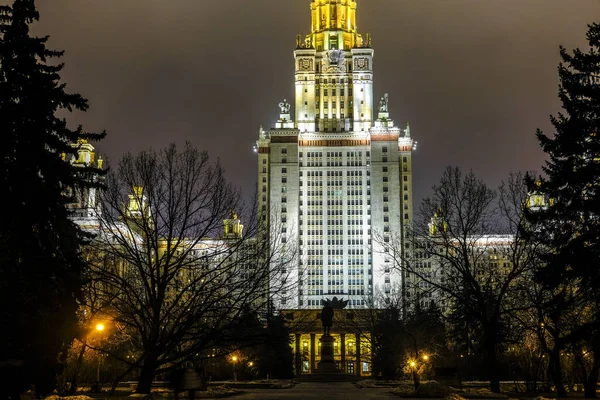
{"points": [[298, 355], [313, 353], [358, 367], [343, 350]]}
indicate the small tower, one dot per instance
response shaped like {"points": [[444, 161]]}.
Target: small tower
{"points": [[138, 206], [233, 227], [537, 200], [85, 206], [437, 224]]}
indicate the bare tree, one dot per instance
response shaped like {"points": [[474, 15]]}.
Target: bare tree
{"points": [[471, 235], [174, 291]]}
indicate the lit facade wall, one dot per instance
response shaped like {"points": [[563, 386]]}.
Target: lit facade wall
{"points": [[336, 184]]}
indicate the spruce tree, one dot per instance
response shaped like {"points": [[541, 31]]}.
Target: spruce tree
{"points": [[40, 262], [569, 226]]}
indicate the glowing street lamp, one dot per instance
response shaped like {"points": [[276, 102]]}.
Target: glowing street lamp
{"points": [[234, 359], [425, 357], [99, 328]]}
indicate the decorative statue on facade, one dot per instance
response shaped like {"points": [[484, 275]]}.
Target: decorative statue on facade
{"points": [[308, 42], [285, 107], [383, 104], [304, 44], [328, 311]]}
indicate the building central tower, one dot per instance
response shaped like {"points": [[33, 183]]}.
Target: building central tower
{"points": [[335, 183], [343, 100]]}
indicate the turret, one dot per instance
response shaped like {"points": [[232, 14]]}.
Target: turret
{"points": [[233, 227], [138, 206]]}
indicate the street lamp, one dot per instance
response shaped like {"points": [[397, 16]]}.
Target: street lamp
{"points": [[425, 357], [99, 329], [234, 359]]}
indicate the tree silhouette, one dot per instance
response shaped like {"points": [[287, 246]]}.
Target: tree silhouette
{"points": [[40, 266], [569, 225]]}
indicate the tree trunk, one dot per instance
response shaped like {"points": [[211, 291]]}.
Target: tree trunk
{"points": [[536, 373], [416, 379], [555, 371], [119, 379], [493, 367], [147, 373], [75, 377], [589, 390]]}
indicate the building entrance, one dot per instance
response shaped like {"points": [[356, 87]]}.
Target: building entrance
{"points": [[350, 368]]}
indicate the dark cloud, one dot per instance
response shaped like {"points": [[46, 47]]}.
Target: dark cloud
{"points": [[474, 78]]}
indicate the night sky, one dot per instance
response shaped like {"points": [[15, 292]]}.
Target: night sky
{"points": [[474, 78]]}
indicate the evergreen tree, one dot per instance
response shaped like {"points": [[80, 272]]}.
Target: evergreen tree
{"points": [[40, 263], [389, 348], [274, 357], [570, 226]]}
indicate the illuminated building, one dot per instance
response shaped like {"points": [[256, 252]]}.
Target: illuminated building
{"points": [[335, 181]]}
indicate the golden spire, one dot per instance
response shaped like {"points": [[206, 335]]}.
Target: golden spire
{"points": [[334, 25]]}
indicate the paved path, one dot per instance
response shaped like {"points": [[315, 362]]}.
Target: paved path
{"points": [[318, 390]]}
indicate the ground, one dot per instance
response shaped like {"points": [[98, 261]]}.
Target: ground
{"points": [[319, 390]]}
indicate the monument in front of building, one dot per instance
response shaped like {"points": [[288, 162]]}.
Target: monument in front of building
{"points": [[327, 365]]}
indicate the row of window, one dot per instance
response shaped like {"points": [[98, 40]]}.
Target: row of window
{"points": [[332, 104], [319, 154], [312, 242], [319, 252], [333, 92], [311, 212]]}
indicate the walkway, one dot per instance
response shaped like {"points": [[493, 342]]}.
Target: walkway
{"points": [[318, 390]]}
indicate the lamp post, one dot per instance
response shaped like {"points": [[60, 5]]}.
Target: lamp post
{"points": [[234, 359], [415, 374], [99, 329], [250, 370]]}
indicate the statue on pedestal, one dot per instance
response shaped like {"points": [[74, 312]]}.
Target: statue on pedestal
{"points": [[383, 104], [327, 318], [285, 107], [327, 312]]}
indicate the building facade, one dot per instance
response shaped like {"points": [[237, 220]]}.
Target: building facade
{"points": [[335, 181]]}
